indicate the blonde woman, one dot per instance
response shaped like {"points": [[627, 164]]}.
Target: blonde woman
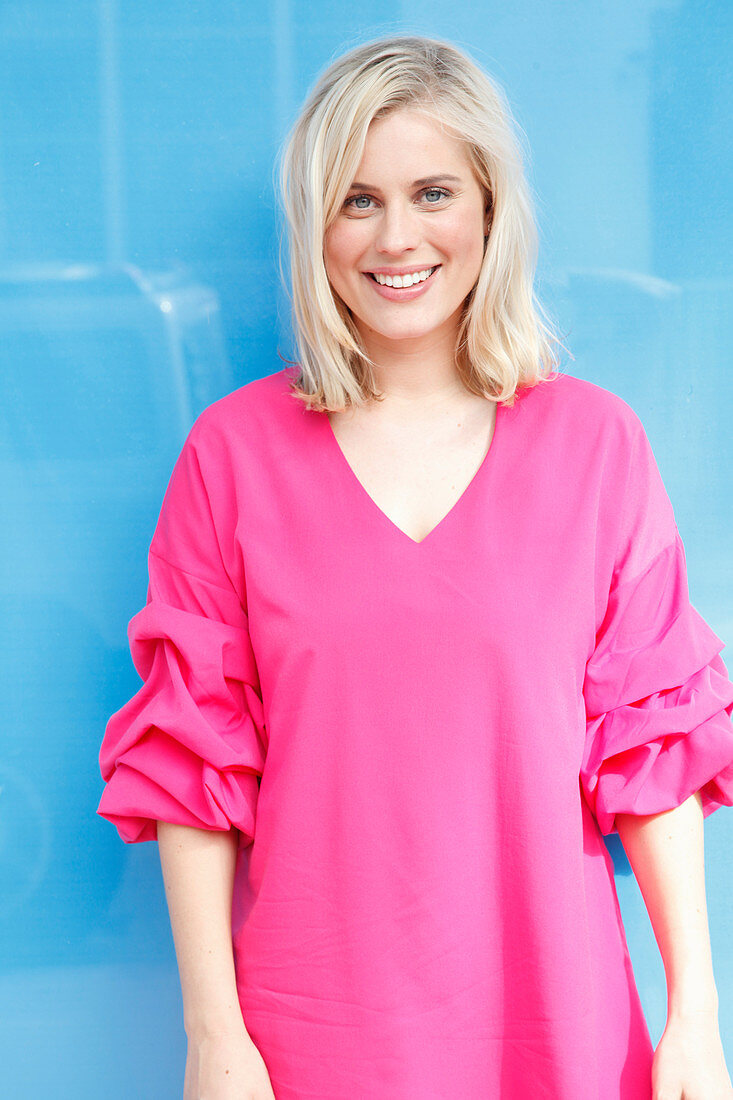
{"points": [[417, 636]]}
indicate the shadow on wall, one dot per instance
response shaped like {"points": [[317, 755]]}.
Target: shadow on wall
{"points": [[102, 371]]}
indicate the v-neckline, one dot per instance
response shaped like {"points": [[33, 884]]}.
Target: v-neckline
{"points": [[488, 460]]}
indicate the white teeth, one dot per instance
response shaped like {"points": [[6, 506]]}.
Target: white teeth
{"points": [[405, 280]]}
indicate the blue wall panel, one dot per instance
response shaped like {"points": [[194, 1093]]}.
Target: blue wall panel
{"points": [[139, 282]]}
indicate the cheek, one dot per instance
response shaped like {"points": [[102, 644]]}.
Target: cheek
{"points": [[340, 257], [340, 251], [464, 239], [470, 245]]}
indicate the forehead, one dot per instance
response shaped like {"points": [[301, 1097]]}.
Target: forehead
{"points": [[408, 137]]}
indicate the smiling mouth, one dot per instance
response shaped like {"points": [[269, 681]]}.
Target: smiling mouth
{"points": [[404, 281]]}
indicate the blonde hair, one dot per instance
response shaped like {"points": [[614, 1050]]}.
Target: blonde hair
{"points": [[503, 343]]}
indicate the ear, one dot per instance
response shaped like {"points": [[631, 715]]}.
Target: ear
{"points": [[488, 214]]}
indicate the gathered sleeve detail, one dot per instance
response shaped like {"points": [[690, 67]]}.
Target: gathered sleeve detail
{"points": [[658, 697], [189, 746]]}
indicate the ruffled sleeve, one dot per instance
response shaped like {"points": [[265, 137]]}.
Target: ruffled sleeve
{"points": [[189, 746], [658, 697]]}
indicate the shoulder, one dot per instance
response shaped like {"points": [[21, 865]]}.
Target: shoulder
{"points": [[583, 410], [245, 416], [578, 395]]}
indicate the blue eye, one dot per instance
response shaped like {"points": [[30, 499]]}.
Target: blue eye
{"points": [[439, 191], [352, 202]]}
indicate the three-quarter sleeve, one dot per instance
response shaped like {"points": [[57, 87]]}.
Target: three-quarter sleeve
{"points": [[189, 746], [658, 697]]}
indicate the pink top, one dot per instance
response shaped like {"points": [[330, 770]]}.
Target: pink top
{"points": [[424, 906]]}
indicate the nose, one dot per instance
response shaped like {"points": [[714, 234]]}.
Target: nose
{"points": [[399, 228]]}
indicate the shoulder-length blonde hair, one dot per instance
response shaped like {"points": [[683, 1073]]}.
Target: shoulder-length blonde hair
{"points": [[503, 343]]}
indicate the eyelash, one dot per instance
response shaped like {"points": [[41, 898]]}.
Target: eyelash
{"points": [[352, 198]]}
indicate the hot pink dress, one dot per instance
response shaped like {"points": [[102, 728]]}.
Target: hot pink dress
{"points": [[421, 743]]}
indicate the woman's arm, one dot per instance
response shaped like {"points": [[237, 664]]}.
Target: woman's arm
{"points": [[666, 853], [198, 872], [223, 1062]]}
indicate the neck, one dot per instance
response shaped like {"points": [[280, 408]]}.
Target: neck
{"points": [[423, 375]]}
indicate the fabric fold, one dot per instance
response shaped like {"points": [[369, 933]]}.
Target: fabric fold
{"points": [[658, 700], [189, 746]]}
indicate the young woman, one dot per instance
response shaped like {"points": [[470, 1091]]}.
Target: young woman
{"points": [[417, 636]]}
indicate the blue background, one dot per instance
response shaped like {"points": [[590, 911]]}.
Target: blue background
{"points": [[139, 282]]}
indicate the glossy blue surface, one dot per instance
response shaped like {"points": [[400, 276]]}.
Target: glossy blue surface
{"points": [[139, 282]]}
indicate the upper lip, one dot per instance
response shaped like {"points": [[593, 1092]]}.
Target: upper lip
{"points": [[400, 270]]}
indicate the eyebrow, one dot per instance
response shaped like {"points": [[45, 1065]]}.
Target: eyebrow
{"points": [[426, 181]]}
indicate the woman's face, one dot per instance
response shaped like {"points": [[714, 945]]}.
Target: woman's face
{"points": [[415, 206]]}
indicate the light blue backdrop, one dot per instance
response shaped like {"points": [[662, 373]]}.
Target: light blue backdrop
{"points": [[138, 283]]}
